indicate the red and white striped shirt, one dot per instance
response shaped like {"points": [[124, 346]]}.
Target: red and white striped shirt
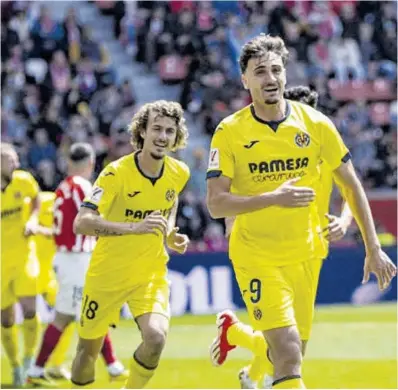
{"points": [[68, 198]]}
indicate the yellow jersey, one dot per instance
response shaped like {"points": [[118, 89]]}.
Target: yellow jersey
{"points": [[258, 157], [14, 245], [45, 246], [123, 193]]}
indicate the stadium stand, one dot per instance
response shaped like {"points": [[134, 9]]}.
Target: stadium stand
{"points": [[65, 78]]}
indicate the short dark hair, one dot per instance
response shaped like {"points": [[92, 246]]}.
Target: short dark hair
{"points": [[260, 45], [302, 94], [81, 151]]}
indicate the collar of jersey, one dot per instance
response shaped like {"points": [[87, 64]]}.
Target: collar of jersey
{"points": [[153, 180], [272, 124]]}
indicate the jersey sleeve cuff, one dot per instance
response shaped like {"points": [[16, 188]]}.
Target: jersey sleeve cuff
{"points": [[89, 205], [211, 174], [346, 157]]}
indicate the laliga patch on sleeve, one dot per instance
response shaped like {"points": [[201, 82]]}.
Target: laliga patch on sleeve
{"points": [[214, 159], [96, 194]]}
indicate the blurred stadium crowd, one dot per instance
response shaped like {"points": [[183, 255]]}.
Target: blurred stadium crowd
{"points": [[60, 85]]}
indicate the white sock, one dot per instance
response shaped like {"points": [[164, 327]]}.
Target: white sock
{"points": [[36, 371], [116, 368]]}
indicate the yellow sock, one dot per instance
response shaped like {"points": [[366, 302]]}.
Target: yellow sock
{"points": [[9, 340], [260, 364], [139, 375], [31, 330], [257, 368], [244, 336], [289, 382], [58, 356]]}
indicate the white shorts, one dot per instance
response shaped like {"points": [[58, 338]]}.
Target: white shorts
{"points": [[71, 269]]}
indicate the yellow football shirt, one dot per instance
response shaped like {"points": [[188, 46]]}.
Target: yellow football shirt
{"points": [[14, 245], [45, 246], [122, 193], [258, 157]]}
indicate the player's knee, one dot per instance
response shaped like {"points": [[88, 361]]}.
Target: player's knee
{"points": [[29, 312], [155, 340], [28, 305], [7, 321], [84, 361]]}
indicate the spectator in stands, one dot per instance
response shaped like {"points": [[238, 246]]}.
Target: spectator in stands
{"points": [[59, 77], [47, 176], [86, 78], [192, 217], [346, 59], [197, 182], [47, 35], [42, 149]]}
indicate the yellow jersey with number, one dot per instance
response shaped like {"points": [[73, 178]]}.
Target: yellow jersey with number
{"points": [[258, 157], [123, 193], [14, 245]]}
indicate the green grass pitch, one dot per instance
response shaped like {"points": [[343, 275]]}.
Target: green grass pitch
{"points": [[351, 347]]}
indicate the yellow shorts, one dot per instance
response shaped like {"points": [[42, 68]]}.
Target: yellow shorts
{"points": [[276, 297], [100, 309], [18, 282]]}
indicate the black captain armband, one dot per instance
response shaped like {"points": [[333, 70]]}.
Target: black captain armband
{"points": [[211, 174], [89, 205], [346, 158]]}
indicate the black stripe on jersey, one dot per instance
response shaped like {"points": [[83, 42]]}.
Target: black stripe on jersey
{"points": [[346, 157], [211, 174], [89, 205]]}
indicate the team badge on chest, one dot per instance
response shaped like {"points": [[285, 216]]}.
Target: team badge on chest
{"points": [[302, 140], [170, 195]]}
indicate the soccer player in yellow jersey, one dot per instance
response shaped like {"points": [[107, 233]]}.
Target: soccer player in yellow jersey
{"points": [[132, 209], [19, 271], [239, 334], [264, 168], [45, 249]]}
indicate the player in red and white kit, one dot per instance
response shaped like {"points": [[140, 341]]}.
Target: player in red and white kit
{"points": [[71, 263]]}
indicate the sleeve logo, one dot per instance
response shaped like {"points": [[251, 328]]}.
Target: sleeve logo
{"points": [[96, 194], [214, 158]]}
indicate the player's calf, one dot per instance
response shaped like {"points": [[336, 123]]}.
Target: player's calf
{"points": [[285, 346], [83, 366], [153, 327]]}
